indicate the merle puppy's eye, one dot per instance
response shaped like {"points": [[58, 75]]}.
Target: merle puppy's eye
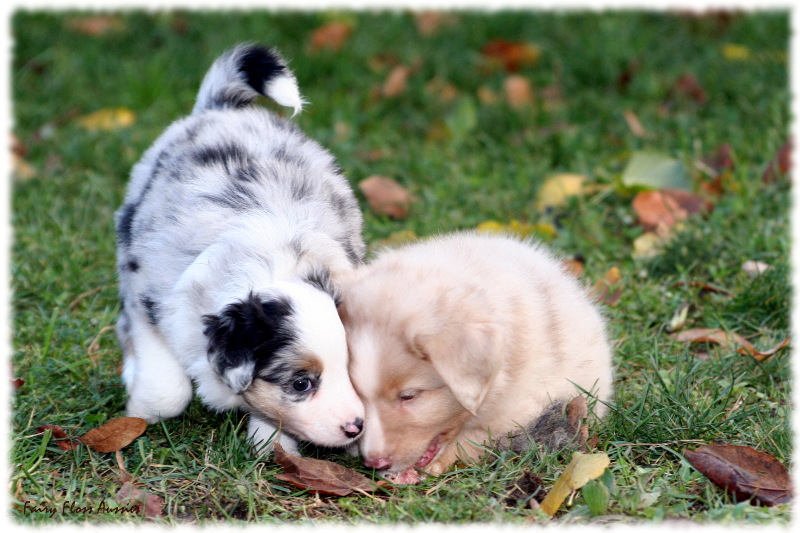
{"points": [[302, 385]]}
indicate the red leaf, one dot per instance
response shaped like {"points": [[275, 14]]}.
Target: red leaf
{"points": [[114, 434], [321, 477], [511, 55], [60, 436], [150, 505], [746, 473]]}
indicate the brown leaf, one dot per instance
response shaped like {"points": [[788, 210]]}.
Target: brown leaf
{"points": [[396, 82], [518, 91], [429, 22], [688, 87], [114, 434], [96, 25], [321, 477], [511, 56], [574, 266], [705, 287], [780, 165], [60, 436], [607, 289], [331, 36], [744, 472], [150, 505], [386, 197], [729, 340], [663, 209], [634, 124]]}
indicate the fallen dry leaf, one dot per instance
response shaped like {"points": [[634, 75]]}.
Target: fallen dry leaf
{"points": [[634, 124], [650, 244], [108, 119], [331, 36], [608, 289], [755, 268], [663, 209], [429, 22], [555, 191], [149, 505], [582, 469], [705, 287], [320, 477], [518, 91], [518, 228], [511, 56], [780, 165], [575, 266], [746, 473], [386, 197], [60, 437], [396, 81], [96, 25], [114, 434], [729, 339], [688, 87]]}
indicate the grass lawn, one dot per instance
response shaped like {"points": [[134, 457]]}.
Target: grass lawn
{"points": [[591, 90]]}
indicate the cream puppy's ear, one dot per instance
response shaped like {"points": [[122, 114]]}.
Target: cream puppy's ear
{"points": [[464, 348]]}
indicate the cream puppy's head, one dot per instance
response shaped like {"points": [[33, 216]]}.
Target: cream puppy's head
{"points": [[283, 349], [420, 358]]}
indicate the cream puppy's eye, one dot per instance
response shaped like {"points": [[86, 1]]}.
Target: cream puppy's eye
{"points": [[407, 395]]}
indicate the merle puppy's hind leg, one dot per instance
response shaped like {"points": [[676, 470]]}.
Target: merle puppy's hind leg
{"points": [[156, 383]]}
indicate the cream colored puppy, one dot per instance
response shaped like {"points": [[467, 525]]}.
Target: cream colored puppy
{"points": [[464, 338]]}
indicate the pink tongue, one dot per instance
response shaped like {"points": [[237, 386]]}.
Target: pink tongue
{"points": [[429, 454]]}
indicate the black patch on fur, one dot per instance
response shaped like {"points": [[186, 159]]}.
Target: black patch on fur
{"points": [[235, 196], [354, 258], [131, 265], [248, 172], [230, 98], [320, 277], [260, 65], [125, 224], [249, 331], [301, 188], [150, 307], [232, 157]]}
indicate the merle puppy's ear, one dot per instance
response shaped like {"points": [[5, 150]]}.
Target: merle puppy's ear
{"points": [[245, 336], [321, 278]]}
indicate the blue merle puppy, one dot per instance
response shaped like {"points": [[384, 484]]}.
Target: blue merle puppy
{"points": [[234, 231]]}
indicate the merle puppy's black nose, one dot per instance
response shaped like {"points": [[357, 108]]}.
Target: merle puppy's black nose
{"points": [[353, 429]]}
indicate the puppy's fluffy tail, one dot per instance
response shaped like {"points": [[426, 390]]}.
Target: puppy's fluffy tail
{"points": [[241, 74]]}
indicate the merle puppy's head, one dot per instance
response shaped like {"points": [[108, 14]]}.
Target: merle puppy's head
{"points": [[283, 349]]}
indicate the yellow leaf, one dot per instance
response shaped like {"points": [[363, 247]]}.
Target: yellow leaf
{"points": [[581, 470], [110, 118], [555, 191], [649, 244], [515, 227], [735, 52]]}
